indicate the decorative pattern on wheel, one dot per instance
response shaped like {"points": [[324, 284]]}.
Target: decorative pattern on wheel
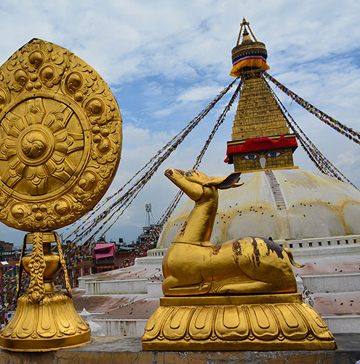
{"points": [[60, 137]]}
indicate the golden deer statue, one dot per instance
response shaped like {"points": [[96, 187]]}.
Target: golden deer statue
{"points": [[248, 265]]}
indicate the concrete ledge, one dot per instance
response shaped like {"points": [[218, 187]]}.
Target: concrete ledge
{"points": [[335, 282], [116, 286], [150, 259], [341, 324], [128, 350], [117, 327], [82, 280]]}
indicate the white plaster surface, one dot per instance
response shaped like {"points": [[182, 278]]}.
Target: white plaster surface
{"points": [[342, 324], [316, 206], [341, 282], [122, 327], [154, 289], [125, 286]]}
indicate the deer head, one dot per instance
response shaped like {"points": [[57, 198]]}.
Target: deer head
{"points": [[193, 182]]}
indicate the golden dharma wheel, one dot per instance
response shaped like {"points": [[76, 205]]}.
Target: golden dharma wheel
{"points": [[60, 137]]}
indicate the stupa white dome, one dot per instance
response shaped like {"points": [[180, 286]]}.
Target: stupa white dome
{"points": [[288, 204]]}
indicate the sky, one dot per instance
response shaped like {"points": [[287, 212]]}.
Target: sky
{"points": [[165, 60]]}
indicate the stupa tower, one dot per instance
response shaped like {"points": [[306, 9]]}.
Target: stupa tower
{"points": [[260, 137]]}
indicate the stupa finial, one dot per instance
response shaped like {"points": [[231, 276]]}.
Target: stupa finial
{"points": [[249, 53], [244, 30]]}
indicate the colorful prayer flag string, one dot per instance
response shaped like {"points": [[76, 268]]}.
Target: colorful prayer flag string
{"points": [[320, 161], [167, 214], [335, 124], [86, 227]]}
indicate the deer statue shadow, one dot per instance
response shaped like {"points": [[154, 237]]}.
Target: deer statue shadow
{"points": [[248, 265]]}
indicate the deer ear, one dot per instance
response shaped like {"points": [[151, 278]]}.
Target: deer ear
{"points": [[226, 182], [237, 184]]}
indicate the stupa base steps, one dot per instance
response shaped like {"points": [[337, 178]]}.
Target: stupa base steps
{"points": [[254, 322]]}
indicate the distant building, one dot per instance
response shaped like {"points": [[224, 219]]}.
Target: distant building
{"points": [[104, 256], [8, 252], [149, 236], [84, 268]]}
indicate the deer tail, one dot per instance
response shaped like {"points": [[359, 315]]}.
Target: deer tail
{"points": [[292, 261]]}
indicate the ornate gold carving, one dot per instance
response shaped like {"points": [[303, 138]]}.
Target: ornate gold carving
{"points": [[50, 324], [193, 266], [36, 266], [45, 318], [238, 295], [264, 322], [60, 137], [60, 144]]}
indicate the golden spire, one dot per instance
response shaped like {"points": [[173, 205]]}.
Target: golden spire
{"points": [[245, 25], [261, 138], [249, 53]]}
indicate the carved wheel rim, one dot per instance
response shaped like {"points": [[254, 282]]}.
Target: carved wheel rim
{"points": [[60, 138]]}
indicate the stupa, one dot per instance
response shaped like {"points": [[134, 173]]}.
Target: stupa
{"points": [[314, 215], [279, 200]]}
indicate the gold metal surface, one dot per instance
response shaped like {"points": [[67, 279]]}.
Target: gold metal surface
{"points": [[238, 295], [262, 322], [45, 318], [60, 137], [60, 146], [258, 115], [193, 266]]}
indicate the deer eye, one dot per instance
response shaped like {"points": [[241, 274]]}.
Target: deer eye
{"points": [[188, 174]]}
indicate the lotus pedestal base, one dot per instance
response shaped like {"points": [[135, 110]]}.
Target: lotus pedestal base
{"points": [[261, 322], [51, 324]]}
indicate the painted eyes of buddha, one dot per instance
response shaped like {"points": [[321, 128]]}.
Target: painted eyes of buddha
{"points": [[273, 154], [255, 155]]}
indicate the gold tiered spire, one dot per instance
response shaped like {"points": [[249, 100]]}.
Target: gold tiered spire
{"points": [[260, 138]]}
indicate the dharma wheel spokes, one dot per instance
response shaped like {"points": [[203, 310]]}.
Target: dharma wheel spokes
{"points": [[60, 146]]}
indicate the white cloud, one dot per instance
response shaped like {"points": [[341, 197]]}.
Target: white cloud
{"points": [[347, 159], [202, 93], [135, 136]]}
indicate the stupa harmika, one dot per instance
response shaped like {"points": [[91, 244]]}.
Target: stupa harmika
{"points": [[314, 215]]}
